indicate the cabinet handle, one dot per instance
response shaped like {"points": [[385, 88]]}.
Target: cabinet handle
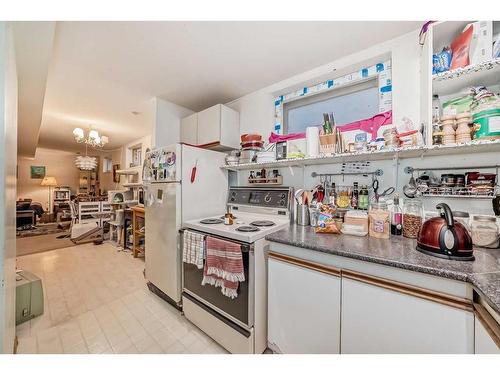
{"points": [[442, 298], [490, 324], [305, 264]]}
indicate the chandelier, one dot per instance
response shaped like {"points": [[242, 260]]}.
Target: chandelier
{"points": [[93, 139]]}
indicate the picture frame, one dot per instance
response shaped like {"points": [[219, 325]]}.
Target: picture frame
{"points": [[116, 177], [37, 171]]}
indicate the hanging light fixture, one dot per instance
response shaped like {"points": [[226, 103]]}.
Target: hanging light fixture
{"points": [[86, 163], [93, 139]]}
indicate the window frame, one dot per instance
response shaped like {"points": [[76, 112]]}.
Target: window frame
{"points": [[381, 71], [364, 84]]}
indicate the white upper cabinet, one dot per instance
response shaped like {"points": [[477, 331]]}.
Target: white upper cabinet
{"points": [[189, 129], [217, 127]]}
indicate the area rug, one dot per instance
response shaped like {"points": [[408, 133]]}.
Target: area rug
{"points": [[42, 229], [44, 238]]}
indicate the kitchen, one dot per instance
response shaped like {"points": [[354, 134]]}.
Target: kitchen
{"points": [[345, 219], [345, 208]]}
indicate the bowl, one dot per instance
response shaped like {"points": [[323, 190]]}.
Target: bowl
{"points": [[251, 137]]}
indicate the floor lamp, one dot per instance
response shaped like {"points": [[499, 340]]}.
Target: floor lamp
{"points": [[49, 182]]}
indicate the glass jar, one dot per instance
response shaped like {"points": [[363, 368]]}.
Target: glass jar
{"points": [[343, 198], [378, 220], [412, 217], [484, 231]]}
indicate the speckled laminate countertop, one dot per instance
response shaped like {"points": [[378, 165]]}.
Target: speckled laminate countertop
{"points": [[483, 273]]}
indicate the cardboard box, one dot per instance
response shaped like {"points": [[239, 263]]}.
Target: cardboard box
{"points": [[481, 46]]}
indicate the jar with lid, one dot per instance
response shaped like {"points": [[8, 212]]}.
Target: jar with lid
{"points": [[391, 138], [378, 220], [413, 213], [484, 231], [343, 198]]}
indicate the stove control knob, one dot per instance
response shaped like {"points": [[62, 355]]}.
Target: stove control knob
{"points": [[283, 195], [282, 202], [232, 199], [267, 198]]}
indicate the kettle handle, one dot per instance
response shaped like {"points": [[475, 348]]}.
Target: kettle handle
{"points": [[448, 215]]}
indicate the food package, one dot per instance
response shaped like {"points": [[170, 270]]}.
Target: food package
{"points": [[326, 222], [441, 61], [456, 106], [460, 48], [481, 47]]}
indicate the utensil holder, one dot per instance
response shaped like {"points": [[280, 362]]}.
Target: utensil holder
{"points": [[327, 143], [302, 215]]}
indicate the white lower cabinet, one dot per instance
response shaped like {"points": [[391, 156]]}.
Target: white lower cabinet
{"points": [[380, 320], [303, 307], [486, 333]]}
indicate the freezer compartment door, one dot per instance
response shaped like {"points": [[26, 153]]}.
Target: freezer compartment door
{"points": [[163, 257], [204, 192]]}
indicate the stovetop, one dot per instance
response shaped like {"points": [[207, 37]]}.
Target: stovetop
{"points": [[247, 227]]}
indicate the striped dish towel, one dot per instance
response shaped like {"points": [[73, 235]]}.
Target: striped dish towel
{"points": [[223, 266], [193, 248]]}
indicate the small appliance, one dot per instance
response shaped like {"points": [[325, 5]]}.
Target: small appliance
{"points": [[445, 237]]}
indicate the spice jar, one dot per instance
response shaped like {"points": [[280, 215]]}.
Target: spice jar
{"points": [[378, 218], [412, 217], [484, 231]]}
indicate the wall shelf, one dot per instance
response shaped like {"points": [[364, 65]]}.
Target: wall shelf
{"points": [[453, 81], [402, 153]]}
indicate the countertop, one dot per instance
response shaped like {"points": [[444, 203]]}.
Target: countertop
{"points": [[483, 273]]}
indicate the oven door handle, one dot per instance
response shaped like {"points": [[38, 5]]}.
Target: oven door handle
{"points": [[245, 246]]}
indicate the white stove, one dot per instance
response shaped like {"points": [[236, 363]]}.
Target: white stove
{"points": [[239, 324], [246, 227]]}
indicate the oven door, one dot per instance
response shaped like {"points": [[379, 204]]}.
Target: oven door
{"points": [[240, 309]]}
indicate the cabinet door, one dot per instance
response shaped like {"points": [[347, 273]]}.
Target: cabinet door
{"points": [[209, 125], [303, 309], [486, 332], [380, 320], [189, 129]]}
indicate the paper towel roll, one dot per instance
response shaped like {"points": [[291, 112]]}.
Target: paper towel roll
{"points": [[312, 141]]}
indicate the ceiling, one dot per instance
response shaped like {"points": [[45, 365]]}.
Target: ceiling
{"points": [[101, 72]]}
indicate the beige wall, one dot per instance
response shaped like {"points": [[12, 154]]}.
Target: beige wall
{"points": [[123, 157], [106, 178], [59, 164]]}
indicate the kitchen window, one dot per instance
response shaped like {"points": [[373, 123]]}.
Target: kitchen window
{"points": [[348, 104], [358, 95]]}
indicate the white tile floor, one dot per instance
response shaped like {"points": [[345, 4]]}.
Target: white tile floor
{"points": [[97, 301]]}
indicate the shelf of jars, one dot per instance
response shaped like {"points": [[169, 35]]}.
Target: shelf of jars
{"points": [[475, 146]]}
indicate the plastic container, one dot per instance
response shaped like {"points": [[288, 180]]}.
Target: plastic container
{"points": [[487, 124], [412, 217], [379, 221]]}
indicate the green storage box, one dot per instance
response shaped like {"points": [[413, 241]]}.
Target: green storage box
{"points": [[487, 124], [29, 296]]}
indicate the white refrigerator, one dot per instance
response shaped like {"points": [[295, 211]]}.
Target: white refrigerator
{"points": [[181, 183]]}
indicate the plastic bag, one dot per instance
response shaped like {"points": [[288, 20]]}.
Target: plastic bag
{"points": [[441, 61]]}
